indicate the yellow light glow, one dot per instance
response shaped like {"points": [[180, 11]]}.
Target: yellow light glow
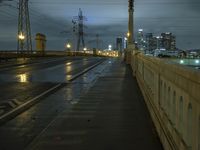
{"points": [[23, 78], [68, 46], [69, 63], [68, 68], [21, 36], [68, 77], [128, 34]]}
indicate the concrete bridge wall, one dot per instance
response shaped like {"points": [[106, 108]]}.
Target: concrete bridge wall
{"points": [[172, 94]]}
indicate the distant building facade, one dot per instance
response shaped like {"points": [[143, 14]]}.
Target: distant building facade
{"points": [[141, 43], [148, 42], [119, 44], [168, 41]]}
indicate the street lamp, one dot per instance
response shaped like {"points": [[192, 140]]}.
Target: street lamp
{"points": [[85, 49], [128, 34], [68, 46], [109, 47], [21, 38]]}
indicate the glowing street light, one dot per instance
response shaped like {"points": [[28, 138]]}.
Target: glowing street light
{"points": [[21, 36], [68, 46], [85, 49], [128, 34], [140, 30], [21, 39], [109, 47]]}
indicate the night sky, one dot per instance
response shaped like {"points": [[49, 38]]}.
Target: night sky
{"points": [[108, 18]]}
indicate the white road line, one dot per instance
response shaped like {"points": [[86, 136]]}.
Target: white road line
{"points": [[29, 102]]}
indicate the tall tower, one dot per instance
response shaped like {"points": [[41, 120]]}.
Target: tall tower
{"points": [[24, 30], [131, 24], [80, 19]]}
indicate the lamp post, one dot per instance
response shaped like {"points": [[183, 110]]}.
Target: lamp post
{"points": [[110, 47], [68, 46], [21, 38]]}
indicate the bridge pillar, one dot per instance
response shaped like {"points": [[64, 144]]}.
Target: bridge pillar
{"points": [[130, 34], [40, 43]]}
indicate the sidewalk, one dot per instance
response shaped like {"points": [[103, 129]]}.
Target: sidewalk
{"points": [[111, 116]]}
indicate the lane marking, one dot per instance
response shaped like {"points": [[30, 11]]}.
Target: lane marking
{"points": [[11, 104], [29, 102]]}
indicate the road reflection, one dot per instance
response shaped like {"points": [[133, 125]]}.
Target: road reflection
{"points": [[68, 77], [22, 78], [68, 69]]}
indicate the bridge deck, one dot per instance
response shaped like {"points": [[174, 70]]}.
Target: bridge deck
{"points": [[111, 115]]}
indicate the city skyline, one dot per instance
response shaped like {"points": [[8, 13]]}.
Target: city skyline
{"points": [[106, 18]]}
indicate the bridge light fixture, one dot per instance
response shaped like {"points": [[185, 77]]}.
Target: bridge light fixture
{"points": [[128, 34]]}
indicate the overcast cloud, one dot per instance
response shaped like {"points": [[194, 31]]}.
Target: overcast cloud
{"points": [[106, 18]]}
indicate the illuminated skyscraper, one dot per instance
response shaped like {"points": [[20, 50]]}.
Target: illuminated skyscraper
{"points": [[168, 41], [140, 40], [119, 44], [151, 42]]}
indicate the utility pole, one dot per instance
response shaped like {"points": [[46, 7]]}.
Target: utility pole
{"points": [[24, 42], [80, 19]]}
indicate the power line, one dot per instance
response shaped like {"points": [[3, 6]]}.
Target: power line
{"points": [[79, 3]]}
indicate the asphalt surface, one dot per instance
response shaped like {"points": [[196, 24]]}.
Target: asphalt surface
{"points": [[19, 84], [20, 131], [111, 115], [101, 109]]}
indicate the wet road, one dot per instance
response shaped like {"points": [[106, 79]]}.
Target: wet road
{"points": [[23, 82], [46, 71]]}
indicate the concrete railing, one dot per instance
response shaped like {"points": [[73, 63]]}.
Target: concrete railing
{"points": [[15, 54], [172, 94]]}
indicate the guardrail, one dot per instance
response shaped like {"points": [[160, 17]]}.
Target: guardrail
{"points": [[5, 55], [172, 94]]}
